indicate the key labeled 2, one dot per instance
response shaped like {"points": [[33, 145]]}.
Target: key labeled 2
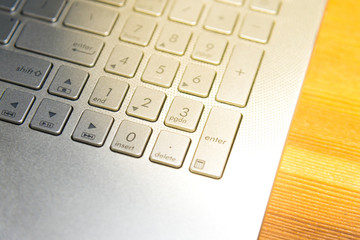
{"points": [[146, 104]]}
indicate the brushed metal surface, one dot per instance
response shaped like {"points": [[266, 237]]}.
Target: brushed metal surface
{"points": [[52, 187]]}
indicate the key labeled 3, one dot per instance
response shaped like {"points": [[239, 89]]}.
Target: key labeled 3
{"points": [[184, 114]]}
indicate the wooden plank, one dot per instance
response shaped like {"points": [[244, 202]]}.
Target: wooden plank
{"points": [[316, 194]]}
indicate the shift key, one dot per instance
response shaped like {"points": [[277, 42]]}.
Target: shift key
{"points": [[60, 43], [215, 143], [23, 70]]}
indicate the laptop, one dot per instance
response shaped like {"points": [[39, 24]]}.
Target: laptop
{"points": [[146, 119]]}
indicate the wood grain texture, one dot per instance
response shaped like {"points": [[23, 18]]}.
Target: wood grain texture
{"points": [[316, 194]]}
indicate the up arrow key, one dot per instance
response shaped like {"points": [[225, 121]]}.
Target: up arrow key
{"points": [[91, 126], [51, 114], [68, 81], [15, 104]]}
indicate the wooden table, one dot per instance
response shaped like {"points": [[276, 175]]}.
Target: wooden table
{"points": [[316, 194]]}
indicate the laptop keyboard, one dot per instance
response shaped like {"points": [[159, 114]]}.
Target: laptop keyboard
{"points": [[80, 41]]}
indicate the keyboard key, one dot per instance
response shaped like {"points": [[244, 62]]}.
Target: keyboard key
{"points": [[109, 93], [184, 114], [174, 39], [44, 9], [138, 30], [215, 143], [118, 3], [7, 28], [197, 80], [68, 82], [91, 17], [151, 7], [15, 105], [267, 6], [60, 43], [210, 48], [124, 61], [131, 138], [9, 5], [256, 28], [170, 149], [233, 2], [160, 71], [92, 128], [240, 75], [51, 116], [146, 104], [221, 18], [186, 11], [23, 70]]}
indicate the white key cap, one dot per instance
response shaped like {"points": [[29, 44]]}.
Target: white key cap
{"points": [[146, 104], [170, 149], [160, 71], [124, 61], [174, 38], [186, 11], [267, 6], [92, 128], [131, 138], [152, 7], [118, 3], [209, 48], [234, 2], [240, 75], [216, 142], [197, 80], [138, 30], [109, 93], [91, 17], [184, 114], [221, 18], [256, 28]]}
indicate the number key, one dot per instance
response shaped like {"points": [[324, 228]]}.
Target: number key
{"points": [[160, 71], [138, 30], [184, 114], [146, 104], [197, 80], [174, 39], [124, 61], [109, 93], [131, 138], [209, 48]]}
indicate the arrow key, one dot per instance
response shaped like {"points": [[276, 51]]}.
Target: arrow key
{"points": [[15, 105], [92, 128], [68, 82], [51, 116]]}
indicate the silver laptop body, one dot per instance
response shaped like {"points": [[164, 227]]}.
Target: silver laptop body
{"points": [[67, 172]]}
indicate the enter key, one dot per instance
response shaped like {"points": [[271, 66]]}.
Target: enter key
{"points": [[216, 142]]}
